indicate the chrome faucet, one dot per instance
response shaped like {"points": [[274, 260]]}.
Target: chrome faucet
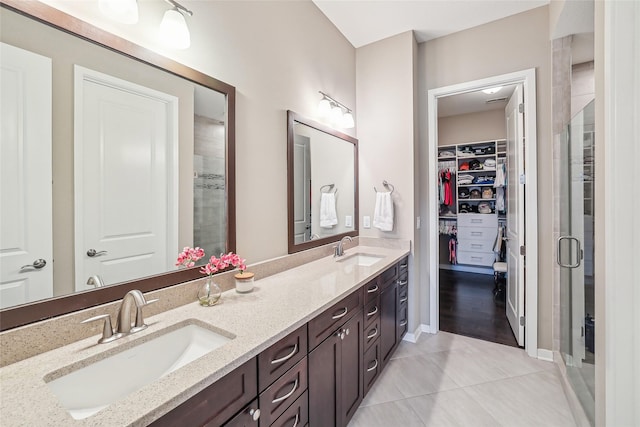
{"points": [[124, 325], [95, 281], [339, 250]]}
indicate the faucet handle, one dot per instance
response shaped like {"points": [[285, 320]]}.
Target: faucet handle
{"points": [[107, 329], [140, 325]]}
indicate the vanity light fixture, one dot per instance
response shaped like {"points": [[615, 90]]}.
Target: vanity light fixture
{"points": [[331, 109], [492, 90], [173, 28], [124, 11]]}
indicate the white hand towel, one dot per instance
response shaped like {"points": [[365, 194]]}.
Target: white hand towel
{"points": [[383, 212], [328, 215]]}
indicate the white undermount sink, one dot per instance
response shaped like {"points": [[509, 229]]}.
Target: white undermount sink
{"points": [[87, 390], [363, 260]]}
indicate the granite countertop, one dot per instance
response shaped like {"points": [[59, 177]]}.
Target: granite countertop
{"points": [[278, 305]]}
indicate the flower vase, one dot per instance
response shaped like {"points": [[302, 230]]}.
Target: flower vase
{"points": [[244, 282], [209, 293]]}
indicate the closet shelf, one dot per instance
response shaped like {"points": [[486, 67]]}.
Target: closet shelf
{"points": [[475, 185]]}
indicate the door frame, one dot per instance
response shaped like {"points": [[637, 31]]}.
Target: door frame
{"points": [[528, 79]]}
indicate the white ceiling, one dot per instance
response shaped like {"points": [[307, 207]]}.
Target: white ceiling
{"points": [[367, 21], [474, 102]]}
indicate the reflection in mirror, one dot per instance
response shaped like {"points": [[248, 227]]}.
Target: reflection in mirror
{"points": [[323, 184], [141, 156]]}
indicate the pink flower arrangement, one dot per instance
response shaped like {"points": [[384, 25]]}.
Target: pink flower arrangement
{"points": [[189, 256], [216, 264]]}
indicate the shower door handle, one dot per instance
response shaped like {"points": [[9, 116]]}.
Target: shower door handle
{"points": [[578, 252]]}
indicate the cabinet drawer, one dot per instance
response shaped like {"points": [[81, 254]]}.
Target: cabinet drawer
{"points": [[403, 266], [282, 393], [371, 312], [403, 295], [475, 245], [371, 334], [371, 366], [371, 291], [281, 356], [326, 323], [296, 415], [403, 320], [477, 220], [217, 403], [476, 258], [477, 233], [246, 418]]}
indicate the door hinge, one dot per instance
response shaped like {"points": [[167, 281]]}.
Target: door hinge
{"points": [[521, 108], [523, 250], [522, 320], [523, 179]]}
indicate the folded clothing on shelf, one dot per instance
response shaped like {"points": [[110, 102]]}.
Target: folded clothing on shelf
{"points": [[483, 180], [465, 179], [446, 154], [463, 193]]}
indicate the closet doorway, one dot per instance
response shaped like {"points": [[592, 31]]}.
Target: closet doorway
{"points": [[481, 219]]}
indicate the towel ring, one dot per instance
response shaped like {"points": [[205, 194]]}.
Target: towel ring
{"points": [[330, 187], [387, 185]]}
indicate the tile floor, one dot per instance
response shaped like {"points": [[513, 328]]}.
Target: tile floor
{"points": [[452, 380]]}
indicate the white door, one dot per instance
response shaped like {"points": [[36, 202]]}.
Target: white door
{"points": [[302, 189], [515, 214], [125, 179], [26, 249]]}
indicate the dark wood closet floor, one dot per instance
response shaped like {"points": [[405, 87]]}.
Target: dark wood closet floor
{"points": [[467, 308]]}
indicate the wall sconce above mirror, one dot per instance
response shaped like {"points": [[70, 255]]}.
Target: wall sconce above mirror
{"points": [[322, 184], [332, 110]]}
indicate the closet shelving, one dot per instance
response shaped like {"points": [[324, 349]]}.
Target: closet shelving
{"points": [[476, 228]]}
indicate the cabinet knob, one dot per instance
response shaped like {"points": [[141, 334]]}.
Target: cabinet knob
{"points": [[255, 414]]}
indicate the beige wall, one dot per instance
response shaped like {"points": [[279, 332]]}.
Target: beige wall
{"points": [[471, 127], [385, 114], [511, 44]]}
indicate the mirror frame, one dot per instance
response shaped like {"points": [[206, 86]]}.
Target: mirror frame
{"points": [[292, 119], [40, 310]]}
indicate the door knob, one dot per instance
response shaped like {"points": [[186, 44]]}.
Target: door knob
{"points": [[93, 253], [37, 264]]}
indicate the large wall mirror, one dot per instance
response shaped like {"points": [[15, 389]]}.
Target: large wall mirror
{"points": [[140, 151], [322, 183]]}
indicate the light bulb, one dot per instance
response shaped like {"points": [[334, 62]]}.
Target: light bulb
{"points": [[336, 115], [174, 31], [324, 107], [492, 90], [124, 11], [347, 120]]}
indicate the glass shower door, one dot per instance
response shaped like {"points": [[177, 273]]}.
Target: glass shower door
{"points": [[575, 255]]}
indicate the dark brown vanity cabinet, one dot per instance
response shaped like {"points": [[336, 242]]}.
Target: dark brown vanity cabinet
{"points": [[335, 364], [319, 373], [394, 303], [219, 402]]}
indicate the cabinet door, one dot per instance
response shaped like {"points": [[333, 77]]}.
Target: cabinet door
{"points": [[248, 417], [335, 376], [388, 322], [323, 386], [350, 393]]}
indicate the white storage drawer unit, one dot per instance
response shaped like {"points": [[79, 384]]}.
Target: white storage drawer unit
{"points": [[476, 238]]}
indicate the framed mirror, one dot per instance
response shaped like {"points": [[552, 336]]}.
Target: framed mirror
{"points": [[322, 184], [141, 153]]}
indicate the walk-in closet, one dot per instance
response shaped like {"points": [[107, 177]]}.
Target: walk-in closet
{"points": [[473, 204]]}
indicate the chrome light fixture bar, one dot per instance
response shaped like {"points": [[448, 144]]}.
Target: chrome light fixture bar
{"points": [[331, 108]]}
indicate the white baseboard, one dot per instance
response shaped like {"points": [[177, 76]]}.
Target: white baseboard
{"points": [[544, 354], [413, 336]]}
